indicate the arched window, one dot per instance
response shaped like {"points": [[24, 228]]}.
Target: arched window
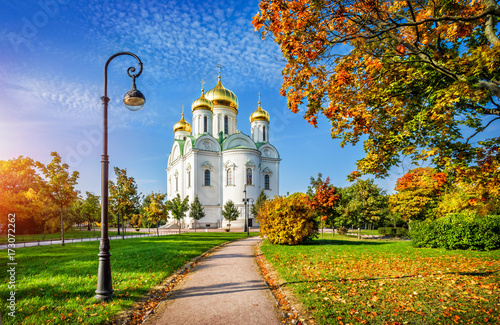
{"points": [[229, 177], [226, 125], [176, 183], [266, 182], [249, 176], [205, 124], [189, 178], [264, 133], [207, 178]]}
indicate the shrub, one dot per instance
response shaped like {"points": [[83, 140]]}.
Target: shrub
{"points": [[342, 231], [393, 231], [287, 220], [458, 231]]}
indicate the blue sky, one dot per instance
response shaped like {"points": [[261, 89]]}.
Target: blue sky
{"points": [[52, 55]]}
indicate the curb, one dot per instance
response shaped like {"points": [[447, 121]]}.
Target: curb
{"points": [[290, 315]]}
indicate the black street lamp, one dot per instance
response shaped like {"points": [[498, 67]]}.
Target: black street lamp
{"points": [[134, 100], [247, 201]]}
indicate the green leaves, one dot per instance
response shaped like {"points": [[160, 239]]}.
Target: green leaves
{"points": [[178, 207], [230, 212]]}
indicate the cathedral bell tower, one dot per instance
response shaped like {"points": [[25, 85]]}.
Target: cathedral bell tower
{"points": [[259, 123], [202, 109]]}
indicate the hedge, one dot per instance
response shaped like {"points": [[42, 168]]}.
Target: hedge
{"points": [[458, 231], [393, 231]]}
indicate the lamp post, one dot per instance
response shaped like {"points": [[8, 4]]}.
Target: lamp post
{"points": [[134, 100], [246, 214], [246, 201]]}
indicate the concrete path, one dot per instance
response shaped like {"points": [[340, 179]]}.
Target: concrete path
{"points": [[225, 288]]}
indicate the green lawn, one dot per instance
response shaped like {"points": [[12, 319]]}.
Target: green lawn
{"points": [[342, 280], [73, 233], [56, 284]]}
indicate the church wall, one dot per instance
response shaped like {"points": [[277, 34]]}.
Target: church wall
{"points": [[273, 166], [240, 158], [208, 195]]}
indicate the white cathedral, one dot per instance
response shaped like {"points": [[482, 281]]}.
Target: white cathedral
{"points": [[215, 161]]}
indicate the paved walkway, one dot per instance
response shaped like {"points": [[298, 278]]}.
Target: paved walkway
{"points": [[225, 288]]}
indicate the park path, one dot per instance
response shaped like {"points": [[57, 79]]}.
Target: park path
{"points": [[225, 288]]}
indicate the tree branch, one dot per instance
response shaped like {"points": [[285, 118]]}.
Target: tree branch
{"points": [[489, 31], [482, 129]]}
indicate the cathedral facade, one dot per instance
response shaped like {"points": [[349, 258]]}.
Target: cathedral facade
{"points": [[212, 159]]}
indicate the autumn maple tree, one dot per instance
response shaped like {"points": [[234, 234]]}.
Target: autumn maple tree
{"points": [[416, 79], [322, 197], [418, 192], [155, 209]]}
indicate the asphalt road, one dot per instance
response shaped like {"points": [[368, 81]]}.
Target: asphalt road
{"points": [[225, 288]]}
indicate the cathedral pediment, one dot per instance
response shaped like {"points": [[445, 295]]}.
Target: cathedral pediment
{"points": [[207, 164]]}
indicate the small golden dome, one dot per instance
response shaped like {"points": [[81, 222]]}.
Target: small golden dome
{"points": [[222, 96], [182, 125], [259, 114], [202, 102]]}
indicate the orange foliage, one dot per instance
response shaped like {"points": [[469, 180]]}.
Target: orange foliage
{"points": [[407, 81]]}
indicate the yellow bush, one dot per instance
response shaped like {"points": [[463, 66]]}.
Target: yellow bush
{"points": [[287, 220]]}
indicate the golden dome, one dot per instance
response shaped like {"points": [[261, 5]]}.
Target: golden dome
{"points": [[222, 96], [259, 114], [202, 102], [182, 125]]}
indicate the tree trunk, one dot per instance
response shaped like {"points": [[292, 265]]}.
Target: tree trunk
{"points": [[195, 225], [44, 227], [62, 227], [179, 227], [117, 225], [359, 233], [158, 229]]}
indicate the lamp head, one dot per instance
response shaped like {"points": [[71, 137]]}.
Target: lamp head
{"points": [[134, 100]]}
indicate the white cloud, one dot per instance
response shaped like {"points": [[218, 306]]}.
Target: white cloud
{"points": [[190, 38]]}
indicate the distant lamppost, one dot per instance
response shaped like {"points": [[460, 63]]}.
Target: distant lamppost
{"points": [[134, 100], [246, 201]]}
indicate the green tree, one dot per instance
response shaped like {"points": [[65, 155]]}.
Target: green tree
{"points": [[178, 208], [74, 212], [124, 199], [196, 211], [230, 212], [261, 199], [156, 209], [414, 80], [362, 202], [91, 209], [60, 185]]}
